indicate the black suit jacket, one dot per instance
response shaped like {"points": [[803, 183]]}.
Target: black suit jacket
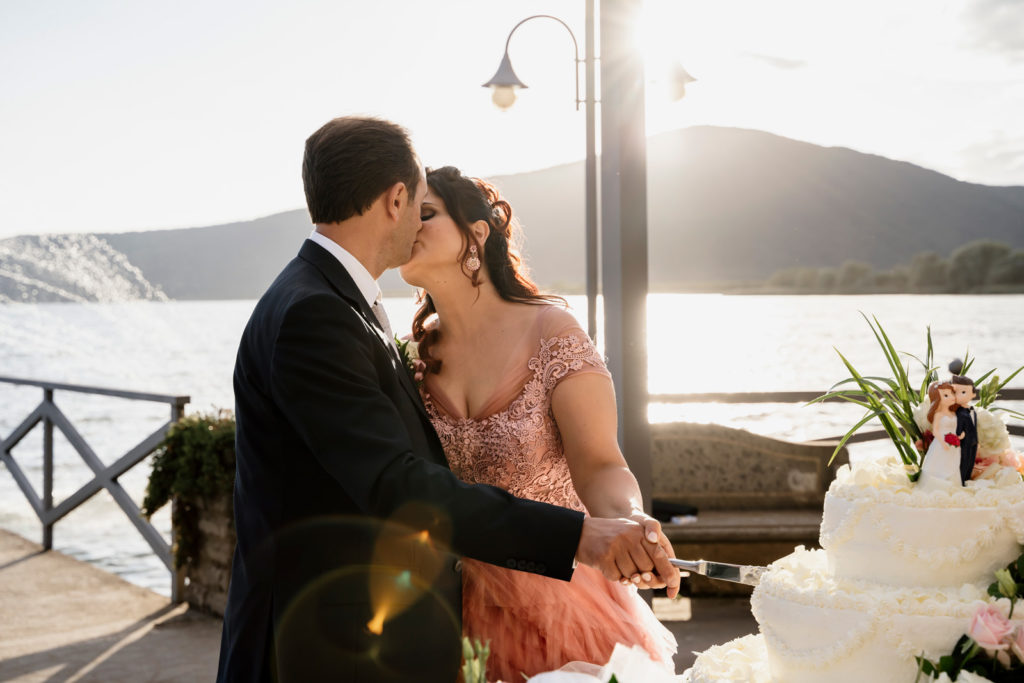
{"points": [[349, 521], [967, 424]]}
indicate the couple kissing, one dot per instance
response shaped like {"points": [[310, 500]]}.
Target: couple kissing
{"points": [[379, 518]]}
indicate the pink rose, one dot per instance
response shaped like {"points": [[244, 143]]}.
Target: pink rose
{"points": [[1012, 459], [980, 465], [989, 628], [1017, 642]]}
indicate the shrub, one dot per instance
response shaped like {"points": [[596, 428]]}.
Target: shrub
{"points": [[194, 463]]}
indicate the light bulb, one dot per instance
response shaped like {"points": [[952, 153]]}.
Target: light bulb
{"points": [[504, 96]]}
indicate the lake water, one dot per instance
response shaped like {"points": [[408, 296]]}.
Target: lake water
{"points": [[697, 343]]}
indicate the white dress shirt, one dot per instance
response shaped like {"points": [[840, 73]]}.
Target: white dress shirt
{"points": [[368, 287]]}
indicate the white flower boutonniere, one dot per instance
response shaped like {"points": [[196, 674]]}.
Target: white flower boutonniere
{"points": [[409, 350]]}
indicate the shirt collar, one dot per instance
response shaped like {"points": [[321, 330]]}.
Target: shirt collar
{"points": [[360, 275]]}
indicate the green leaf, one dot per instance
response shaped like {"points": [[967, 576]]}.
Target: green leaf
{"points": [[842, 442]]}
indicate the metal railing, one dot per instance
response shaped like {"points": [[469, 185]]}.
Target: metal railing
{"points": [[804, 397], [104, 476]]}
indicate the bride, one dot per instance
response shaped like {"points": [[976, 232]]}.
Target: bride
{"points": [[941, 466], [522, 400]]}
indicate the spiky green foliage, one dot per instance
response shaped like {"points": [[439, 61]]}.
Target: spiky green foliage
{"points": [[890, 400]]}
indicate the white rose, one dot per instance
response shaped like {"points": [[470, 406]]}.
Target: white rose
{"points": [[921, 415], [993, 437], [412, 349]]}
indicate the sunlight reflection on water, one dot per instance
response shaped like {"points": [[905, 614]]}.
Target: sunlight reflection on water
{"points": [[697, 343]]}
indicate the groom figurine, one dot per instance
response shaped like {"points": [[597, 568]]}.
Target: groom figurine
{"points": [[350, 524], [966, 425]]}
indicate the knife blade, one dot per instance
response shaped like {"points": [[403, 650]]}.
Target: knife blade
{"points": [[737, 573]]}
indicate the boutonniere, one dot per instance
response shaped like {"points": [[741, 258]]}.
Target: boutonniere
{"points": [[408, 349]]}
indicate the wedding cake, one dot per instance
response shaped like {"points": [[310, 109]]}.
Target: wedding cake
{"points": [[903, 572]]}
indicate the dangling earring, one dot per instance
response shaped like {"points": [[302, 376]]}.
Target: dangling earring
{"points": [[472, 262]]}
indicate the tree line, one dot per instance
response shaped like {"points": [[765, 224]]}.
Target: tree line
{"points": [[979, 267]]}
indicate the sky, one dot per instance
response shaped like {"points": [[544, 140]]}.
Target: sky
{"points": [[120, 115]]}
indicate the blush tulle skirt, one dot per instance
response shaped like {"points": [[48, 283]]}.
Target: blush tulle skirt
{"points": [[538, 624]]}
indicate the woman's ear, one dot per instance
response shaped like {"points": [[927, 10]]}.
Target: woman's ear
{"points": [[481, 230]]}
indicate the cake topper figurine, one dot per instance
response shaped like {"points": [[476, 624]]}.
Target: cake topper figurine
{"points": [[966, 424], [943, 460]]}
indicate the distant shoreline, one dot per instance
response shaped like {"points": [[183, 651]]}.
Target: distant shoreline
{"points": [[739, 290]]}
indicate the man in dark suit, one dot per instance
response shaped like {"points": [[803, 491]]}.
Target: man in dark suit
{"points": [[349, 522], [966, 424]]}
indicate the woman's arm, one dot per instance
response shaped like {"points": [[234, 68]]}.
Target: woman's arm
{"points": [[585, 412]]}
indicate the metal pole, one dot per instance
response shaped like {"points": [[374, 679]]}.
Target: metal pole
{"points": [[177, 575], [47, 470], [624, 230], [591, 173]]}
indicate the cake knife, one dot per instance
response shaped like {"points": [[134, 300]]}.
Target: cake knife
{"points": [[736, 573]]}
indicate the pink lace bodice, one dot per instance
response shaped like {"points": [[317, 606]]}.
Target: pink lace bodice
{"points": [[517, 446]]}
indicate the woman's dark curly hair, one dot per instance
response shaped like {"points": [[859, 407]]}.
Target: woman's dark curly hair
{"points": [[469, 200]]}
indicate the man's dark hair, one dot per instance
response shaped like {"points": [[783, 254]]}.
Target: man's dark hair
{"points": [[960, 379], [351, 161]]}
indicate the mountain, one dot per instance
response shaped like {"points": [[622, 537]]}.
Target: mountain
{"points": [[724, 205]]}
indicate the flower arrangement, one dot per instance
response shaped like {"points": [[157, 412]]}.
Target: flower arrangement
{"points": [[993, 647], [902, 406]]}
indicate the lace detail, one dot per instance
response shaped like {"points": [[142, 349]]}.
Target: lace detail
{"points": [[519, 449]]}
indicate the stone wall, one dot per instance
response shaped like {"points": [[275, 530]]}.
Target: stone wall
{"points": [[206, 579]]}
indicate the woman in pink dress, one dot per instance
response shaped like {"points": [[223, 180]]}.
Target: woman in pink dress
{"points": [[522, 400]]}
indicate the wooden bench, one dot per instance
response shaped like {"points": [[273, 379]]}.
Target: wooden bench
{"points": [[757, 497]]}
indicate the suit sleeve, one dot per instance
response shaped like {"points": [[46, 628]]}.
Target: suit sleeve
{"points": [[324, 379]]}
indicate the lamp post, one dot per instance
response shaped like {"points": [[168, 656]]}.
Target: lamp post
{"points": [[504, 82], [624, 272]]}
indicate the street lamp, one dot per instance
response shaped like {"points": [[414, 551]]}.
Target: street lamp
{"points": [[504, 82], [623, 210]]}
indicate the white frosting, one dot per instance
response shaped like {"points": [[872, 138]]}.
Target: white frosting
{"points": [[818, 628], [880, 527], [902, 574], [744, 659]]}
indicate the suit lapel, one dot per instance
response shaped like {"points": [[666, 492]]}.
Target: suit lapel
{"points": [[343, 283]]}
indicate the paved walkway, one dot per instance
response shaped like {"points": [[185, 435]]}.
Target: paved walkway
{"points": [[66, 621]]}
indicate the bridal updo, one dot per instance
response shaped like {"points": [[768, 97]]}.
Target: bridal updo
{"points": [[467, 201]]}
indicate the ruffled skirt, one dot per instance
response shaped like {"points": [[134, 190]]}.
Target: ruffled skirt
{"points": [[538, 624]]}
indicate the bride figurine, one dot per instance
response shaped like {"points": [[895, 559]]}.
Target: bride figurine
{"points": [[941, 467]]}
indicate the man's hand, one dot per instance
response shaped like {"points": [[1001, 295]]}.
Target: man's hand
{"points": [[622, 548]]}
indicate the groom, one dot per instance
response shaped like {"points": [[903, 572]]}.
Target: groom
{"points": [[350, 524], [966, 424]]}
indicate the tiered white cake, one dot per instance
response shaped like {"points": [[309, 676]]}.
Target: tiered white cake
{"points": [[901, 574]]}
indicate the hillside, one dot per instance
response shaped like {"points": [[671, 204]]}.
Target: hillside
{"points": [[725, 205]]}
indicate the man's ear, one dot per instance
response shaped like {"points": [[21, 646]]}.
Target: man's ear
{"points": [[395, 200]]}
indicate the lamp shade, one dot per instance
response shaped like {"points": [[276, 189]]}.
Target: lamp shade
{"points": [[505, 76], [678, 81]]}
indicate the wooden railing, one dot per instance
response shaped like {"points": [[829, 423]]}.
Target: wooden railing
{"points": [[104, 476]]}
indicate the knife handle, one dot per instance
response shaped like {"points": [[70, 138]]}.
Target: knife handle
{"points": [[688, 565]]}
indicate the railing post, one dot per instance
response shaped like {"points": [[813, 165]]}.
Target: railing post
{"points": [[47, 471], [177, 574]]}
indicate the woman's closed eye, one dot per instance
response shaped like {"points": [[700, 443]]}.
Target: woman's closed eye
{"points": [[427, 215]]}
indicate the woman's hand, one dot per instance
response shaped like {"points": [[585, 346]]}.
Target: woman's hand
{"points": [[659, 543]]}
